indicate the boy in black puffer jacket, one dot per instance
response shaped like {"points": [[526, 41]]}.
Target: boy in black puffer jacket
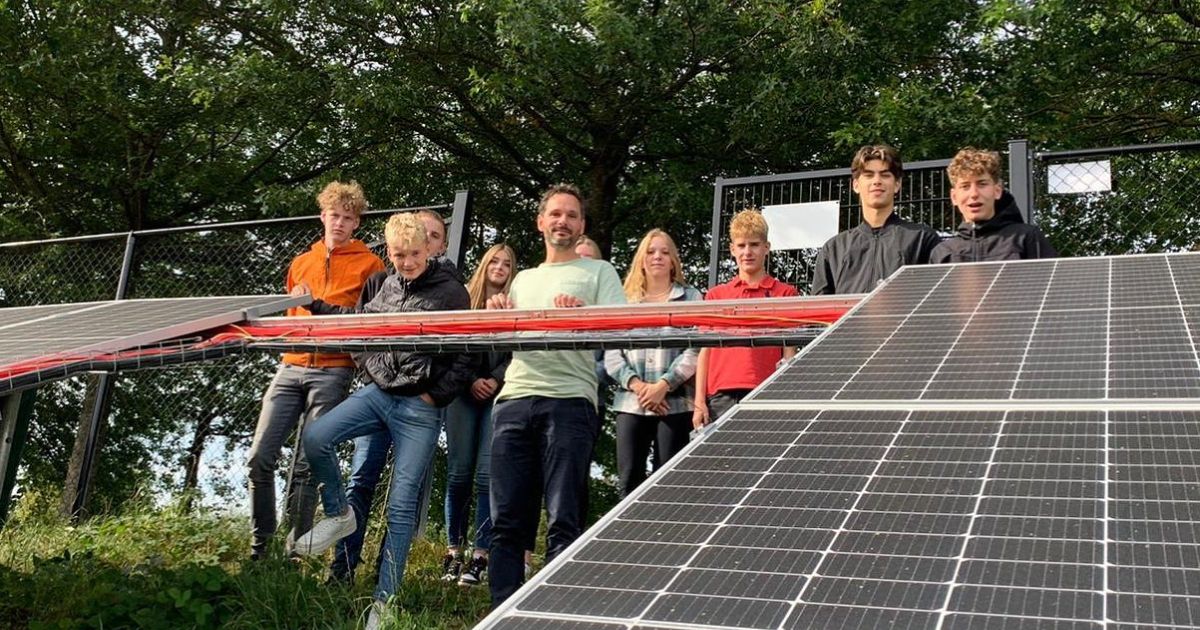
{"points": [[992, 227], [404, 397]]}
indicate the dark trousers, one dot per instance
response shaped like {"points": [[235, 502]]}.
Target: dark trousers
{"points": [[297, 396], [540, 447], [635, 435], [723, 401]]}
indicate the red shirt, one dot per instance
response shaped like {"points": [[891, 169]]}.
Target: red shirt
{"points": [[744, 368]]}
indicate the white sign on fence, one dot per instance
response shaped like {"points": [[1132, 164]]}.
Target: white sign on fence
{"points": [[802, 225]]}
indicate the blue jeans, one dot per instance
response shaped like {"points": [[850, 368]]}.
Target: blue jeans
{"points": [[413, 426], [468, 453], [297, 396], [540, 447], [366, 468]]}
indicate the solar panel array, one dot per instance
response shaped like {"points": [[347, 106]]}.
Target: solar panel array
{"points": [[1009, 445], [33, 333]]}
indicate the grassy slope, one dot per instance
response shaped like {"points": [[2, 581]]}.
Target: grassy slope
{"points": [[159, 569]]}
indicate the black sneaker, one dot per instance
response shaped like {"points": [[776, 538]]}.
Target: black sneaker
{"points": [[474, 572], [452, 564]]}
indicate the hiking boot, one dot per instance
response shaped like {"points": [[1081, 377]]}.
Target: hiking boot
{"points": [[326, 533], [474, 572], [452, 564]]}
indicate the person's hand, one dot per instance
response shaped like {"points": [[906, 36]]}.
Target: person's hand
{"points": [[563, 300], [428, 399], [300, 289], [660, 409], [483, 388], [700, 415], [653, 395], [499, 301], [636, 385]]}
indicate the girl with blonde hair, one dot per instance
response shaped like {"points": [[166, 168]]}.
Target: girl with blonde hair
{"points": [[469, 433], [653, 385]]}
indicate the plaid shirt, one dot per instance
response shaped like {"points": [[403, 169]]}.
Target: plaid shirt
{"points": [[676, 366]]}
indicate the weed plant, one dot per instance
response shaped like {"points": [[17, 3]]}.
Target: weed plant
{"points": [[167, 568]]}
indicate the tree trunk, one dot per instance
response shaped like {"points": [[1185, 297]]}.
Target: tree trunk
{"points": [[604, 178], [191, 475], [75, 468]]}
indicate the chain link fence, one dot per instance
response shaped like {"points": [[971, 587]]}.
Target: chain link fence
{"points": [[924, 197], [1119, 200], [188, 425], [1103, 201], [1116, 200]]}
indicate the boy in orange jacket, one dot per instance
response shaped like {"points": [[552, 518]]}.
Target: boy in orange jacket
{"points": [[308, 384]]}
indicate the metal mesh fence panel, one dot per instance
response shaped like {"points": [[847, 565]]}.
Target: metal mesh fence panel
{"points": [[924, 198], [59, 272], [247, 261], [1119, 201], [214, 405]]}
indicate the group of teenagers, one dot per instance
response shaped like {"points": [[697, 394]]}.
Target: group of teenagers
{"points": [[520, 427]]}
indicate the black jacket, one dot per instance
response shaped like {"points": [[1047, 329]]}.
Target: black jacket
{"points": [[1006, 236], [856, 260], [442, 376], [488, 365], [375, 282]]}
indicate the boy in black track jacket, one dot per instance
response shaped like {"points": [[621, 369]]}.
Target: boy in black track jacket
{"points": [[856, 260], [992, 227]]}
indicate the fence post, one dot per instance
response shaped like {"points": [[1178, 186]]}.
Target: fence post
{"points": [[714, 256], [460, 216], [15, 411], [95, 414], [1020, 178]]}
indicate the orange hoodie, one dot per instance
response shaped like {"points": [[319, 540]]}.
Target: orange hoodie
{"points": [[336, 277]]}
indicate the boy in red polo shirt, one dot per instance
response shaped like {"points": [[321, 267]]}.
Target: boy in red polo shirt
{"points": [[725, 375]]}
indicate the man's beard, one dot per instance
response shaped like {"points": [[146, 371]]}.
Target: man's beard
{"points": [[561, 243]]}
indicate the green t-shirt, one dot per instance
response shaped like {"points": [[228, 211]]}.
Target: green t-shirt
{"points": [[559, 373]]}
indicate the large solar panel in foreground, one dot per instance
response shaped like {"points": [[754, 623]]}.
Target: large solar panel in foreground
{"points": [[1075, 510], [36, 332]]}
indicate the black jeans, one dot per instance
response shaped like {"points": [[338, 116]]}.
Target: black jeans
{"points": [[723, 401], [540, 447], [635, 433]]}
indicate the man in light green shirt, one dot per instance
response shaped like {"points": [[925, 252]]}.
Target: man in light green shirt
{"points": [[544, 421]]}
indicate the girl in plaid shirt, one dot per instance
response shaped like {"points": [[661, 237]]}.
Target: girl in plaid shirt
{"points": [[653, 397]]}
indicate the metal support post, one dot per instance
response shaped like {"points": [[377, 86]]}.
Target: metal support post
{"points": [[460, 218], [714, 257], [15, 411], [99, 404], [1020, 178]]}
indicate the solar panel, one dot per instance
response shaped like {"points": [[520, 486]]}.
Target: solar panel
{"points": [[1070, 329], [82, 330], [1009, 445]]}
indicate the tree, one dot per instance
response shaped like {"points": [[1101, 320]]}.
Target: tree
{"points": [[133, 114]]}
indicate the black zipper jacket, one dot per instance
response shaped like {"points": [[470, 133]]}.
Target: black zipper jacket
{"points": [[442, 376], [856, 260], [1006, 236]]}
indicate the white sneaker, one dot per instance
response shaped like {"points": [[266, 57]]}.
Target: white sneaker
{"points": [[375, 616], [326, 533]]}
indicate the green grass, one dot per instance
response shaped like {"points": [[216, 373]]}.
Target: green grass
{"points": [[164, 569]]}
